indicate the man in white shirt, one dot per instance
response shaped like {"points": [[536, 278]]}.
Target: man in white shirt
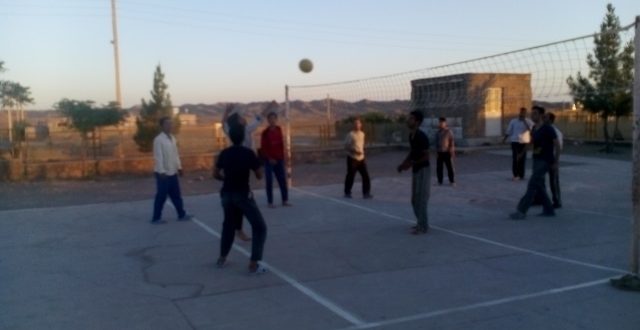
{"points": [[519, 134], [445, 147], [166, 168], [249, 128], [354, 145], [554, 171]]}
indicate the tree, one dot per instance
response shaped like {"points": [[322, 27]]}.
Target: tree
{"points": [[8, 101], [14, 97], [606, 91], [86, 118], [17, 97], [159, 106]]}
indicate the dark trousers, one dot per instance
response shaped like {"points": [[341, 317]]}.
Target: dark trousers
{"points": [[237, 216], [167, 185], [554, 185], [276, 169], [537, 188], [444, 158], [359, 166], [242, 203], [420, 192], [519, 159]]}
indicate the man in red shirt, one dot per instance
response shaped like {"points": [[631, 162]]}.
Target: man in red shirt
{"points": [[272, 152]]}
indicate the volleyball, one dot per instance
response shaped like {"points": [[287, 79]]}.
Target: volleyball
{"points": [[305, 65]]}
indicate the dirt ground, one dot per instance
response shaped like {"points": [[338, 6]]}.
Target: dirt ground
{"points": [[19, 195]]}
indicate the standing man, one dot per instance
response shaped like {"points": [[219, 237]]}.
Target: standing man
{"points": [[229, 120], [546, 154], [418, 161], [354, 145], [554, 172], [272, 151], [166, 169], [446, 151], [519, 134], [233, 167]]}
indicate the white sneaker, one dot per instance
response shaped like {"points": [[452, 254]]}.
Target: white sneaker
{"points": [[259, 270]]}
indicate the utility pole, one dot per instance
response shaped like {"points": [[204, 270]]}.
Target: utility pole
{"points": [[287, 146], [10, 120], [328, 108], [116, 55], [635, 183]]}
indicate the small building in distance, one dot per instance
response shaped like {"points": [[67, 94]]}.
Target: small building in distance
{"points": [[185, 118], [188, 119], [478, 106]]}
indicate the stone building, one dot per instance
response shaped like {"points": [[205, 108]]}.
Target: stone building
{"points": [[478, 106]]}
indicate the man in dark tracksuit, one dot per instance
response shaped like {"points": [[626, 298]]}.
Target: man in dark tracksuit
{"points": [[233, 167], [545, 156]]}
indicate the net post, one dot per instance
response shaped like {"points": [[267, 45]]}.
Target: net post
{"points": [[635, 182], [288, 135]]}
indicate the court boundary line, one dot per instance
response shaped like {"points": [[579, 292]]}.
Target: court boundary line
{"points": [[468, 236], [515, 200], [359, 323], [318, 298], [488, 303]]}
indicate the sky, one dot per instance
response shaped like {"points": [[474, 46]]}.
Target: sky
{"points": [[248, 50]]}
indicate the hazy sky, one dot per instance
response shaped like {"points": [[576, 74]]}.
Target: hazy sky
{"points": [[247, 50]]}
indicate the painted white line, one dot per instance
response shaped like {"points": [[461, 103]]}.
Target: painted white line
{"points": [[472, 237], [63, 207], [479, 305], [515, 201], [602, 214], [500, 174], [349, 317], [532, 252]]}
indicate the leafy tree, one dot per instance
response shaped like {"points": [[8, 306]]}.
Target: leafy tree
{"points": [[401, 118], [86, 118], [14, 97], [606, 91], [158, 106]]}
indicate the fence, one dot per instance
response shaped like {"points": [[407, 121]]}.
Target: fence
{"points": [[112, 143]]}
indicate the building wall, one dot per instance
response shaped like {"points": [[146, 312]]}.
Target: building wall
{"points": [[463, 96], [516, 93]]}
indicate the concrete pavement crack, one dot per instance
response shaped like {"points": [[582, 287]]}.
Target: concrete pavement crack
{"points": [[148, 261]]}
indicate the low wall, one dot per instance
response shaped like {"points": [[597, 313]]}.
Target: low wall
{"points": [[16, 170]]}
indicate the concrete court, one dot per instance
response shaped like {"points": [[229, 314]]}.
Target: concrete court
{"points": [[335, 263]]}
